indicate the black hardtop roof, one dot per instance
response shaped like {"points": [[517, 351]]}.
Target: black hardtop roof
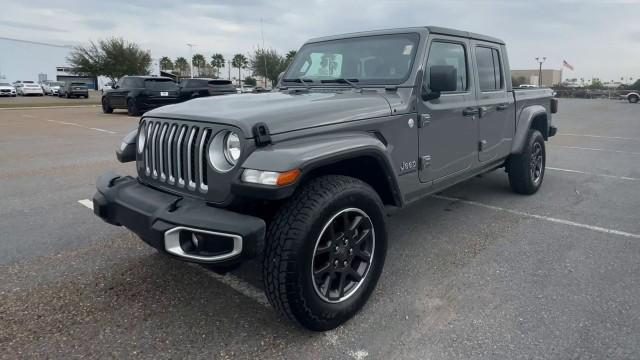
{"points": [[421, 29], [149, 77]]}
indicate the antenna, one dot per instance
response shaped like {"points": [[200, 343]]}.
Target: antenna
{"points": [[264, 54]]}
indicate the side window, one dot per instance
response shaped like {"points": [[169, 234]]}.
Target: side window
{"points": [[452, 54], [123, 83], [490, 75]]}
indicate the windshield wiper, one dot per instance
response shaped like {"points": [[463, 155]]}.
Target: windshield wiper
{"points": [[343, 81], [301, 81]]}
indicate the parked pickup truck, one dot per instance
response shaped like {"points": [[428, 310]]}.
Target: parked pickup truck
{"points": [[632, 97], [303, 177]]}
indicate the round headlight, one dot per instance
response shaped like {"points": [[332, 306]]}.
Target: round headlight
{"points": [[224, 151], [232, 148], [142, 137]]}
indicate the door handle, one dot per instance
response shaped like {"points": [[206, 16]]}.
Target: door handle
{"points": [[470, 111], [502, 107]]}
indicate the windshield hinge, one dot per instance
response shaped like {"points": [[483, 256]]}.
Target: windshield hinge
{"points": [[261, 134]]}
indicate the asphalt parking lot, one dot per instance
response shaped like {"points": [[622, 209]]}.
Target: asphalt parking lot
{"points": [[474, 272]]}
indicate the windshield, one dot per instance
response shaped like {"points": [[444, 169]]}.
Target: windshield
{"points": [[383, 59], [5, 84], [160, 84], [78, 84], [56, 84]]}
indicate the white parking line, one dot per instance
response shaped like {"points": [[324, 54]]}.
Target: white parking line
{"points": [[594, 149], [601, 137], [238, 285], [230, 280], [28, 116], [541, 217], [81, 126], [86, 202], [595, 174]]}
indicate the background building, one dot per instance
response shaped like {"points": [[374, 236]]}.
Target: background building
{"points": [[39, 61], [550, 77]]}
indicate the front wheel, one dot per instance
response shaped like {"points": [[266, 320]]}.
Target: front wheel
{"points": [[633, 99], [526, 170], [132, 108], [325, 252], [106, 108]]}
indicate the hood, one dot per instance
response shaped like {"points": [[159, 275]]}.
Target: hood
{"points": [[7, 87], [281, 111]]}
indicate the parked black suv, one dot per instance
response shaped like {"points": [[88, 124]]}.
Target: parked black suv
{"points": [[193, 88], [140, 93], [74, 89]]}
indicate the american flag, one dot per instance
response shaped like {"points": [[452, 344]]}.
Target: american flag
{"points": [[567, 65]]}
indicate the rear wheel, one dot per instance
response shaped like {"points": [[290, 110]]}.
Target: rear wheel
{"points": [[526, 170], [106, 108], [325, 252], [633, 99]]}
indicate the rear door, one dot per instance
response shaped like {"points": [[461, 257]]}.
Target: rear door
{"points": [[495, 103], [448, 129]]}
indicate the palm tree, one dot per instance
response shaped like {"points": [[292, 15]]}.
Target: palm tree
{"points": [[217, 62], [239, 61], [182, 65], [198, 61], [289, 57], [166, 63]]}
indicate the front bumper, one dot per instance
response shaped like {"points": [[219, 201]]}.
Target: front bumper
{"points": [[159, 218]]}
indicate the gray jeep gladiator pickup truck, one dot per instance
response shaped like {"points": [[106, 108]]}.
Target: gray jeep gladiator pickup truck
{"points": [[304, 176]]}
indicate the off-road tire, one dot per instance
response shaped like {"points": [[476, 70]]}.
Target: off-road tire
{"points": [[520, 176], [633, 99], [106, 108], [291, 243], [132, 109]]}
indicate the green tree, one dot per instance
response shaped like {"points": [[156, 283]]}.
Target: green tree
{"points": [[239, 61], [288, 59], [217, 62], [182, 65], [249, 81], [198, 62], [268, 63], [596, 84], [113, 58], [166, 63]]}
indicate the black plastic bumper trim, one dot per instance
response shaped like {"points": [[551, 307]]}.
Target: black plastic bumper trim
{"points": [[150, 213]]}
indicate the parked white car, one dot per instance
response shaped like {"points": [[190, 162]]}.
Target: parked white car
{"points": [[52, 87], [632, 97], [7, 90], [28, 88]]}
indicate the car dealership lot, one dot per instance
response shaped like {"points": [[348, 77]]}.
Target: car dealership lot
{"points": [[475, 271]]}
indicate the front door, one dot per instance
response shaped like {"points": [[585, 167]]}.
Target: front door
{"points": [[496, 120], [448, 129]]}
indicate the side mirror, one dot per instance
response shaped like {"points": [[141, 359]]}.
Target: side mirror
{"points": [[441, 78], [115, 86]]}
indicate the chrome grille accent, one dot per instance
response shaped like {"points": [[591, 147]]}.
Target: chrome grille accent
{"points": [[176, 154]]}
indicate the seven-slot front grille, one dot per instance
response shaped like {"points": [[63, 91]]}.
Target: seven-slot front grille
{"points": [[175, 154]]}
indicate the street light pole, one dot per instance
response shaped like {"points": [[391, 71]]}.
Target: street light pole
{"points": [[191, 57], [540, 70]]}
